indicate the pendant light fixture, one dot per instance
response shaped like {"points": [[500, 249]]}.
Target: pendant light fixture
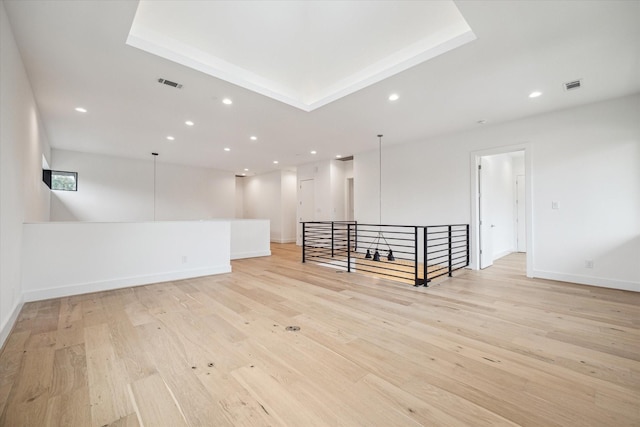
{"points": [[376, 241]]}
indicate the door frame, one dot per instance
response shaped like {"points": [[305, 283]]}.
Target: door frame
{"points": [[482, 237], [299, 200], [474, 232], [518, 217]]}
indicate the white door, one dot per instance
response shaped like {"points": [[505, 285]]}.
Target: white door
{"points": [[307, 205], [484, 216], [521, 225]]}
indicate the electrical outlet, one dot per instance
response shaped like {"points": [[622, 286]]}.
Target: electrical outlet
{"points": [[555, 205], [588, 264], [184, 259]]}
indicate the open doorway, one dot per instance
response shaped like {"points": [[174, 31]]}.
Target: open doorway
{"points": [[501, 205]]}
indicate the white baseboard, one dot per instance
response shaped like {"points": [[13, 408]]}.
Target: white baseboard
{"points": [[124, 282], [7, 326], [291, 240], [250, 254], [503, 254], [588, 280]]}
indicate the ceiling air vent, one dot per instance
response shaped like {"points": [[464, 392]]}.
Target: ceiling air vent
{"points": [[170, 83], [573, 85], [345, 159]]}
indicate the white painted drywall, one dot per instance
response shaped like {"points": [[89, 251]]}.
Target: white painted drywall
{"points": [[116, 189], [422, 184], [338, 191], [262, 195], [23, 195], [64, 258], [329, 178], [320, 172], [517, 163], [288, 206], [187, 192], [348, 190], [348, 168], [239, 197], [272, 196], [586, 158], [250, 238]]}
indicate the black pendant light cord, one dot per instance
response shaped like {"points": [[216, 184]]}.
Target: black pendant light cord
{"points": [[376, 241], [379, 180]]}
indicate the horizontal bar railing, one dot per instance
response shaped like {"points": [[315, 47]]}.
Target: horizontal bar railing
{"points": [[414, 254]]}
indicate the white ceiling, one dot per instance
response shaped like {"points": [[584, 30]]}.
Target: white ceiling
{"points": [[76, 54], [305, 53]]}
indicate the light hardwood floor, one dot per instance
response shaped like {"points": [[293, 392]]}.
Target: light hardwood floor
{"points": [[483, 348]]}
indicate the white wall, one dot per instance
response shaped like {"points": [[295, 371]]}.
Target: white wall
{"points": [[187, 192], [587, 159], [348, 168], [320, 172], [61, 259], [23, 195], [289, 204], [589, 163], [115, 189], [250, 238], [517, 163], [329, 178], [338, 190], [262, 200], [239, 197], [272, 196]]}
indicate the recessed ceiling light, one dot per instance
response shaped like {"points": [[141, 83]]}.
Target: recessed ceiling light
{"points": [[275, 162], [243, 174], [338, 156], [314, 152], [170, 138], [227, 149], [254, 138], [81, 110], [189, 123], [246, 169], [535, 94], [393, 97], [227, 101]]}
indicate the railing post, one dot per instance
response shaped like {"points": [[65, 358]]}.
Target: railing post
{"points": [[348, 248], [355, 237], [450, 254], [304, 232], [467, 246], [416, 280], [424, 256], [332, 239]]}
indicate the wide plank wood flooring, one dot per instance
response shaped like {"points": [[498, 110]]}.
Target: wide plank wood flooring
{"points": [[489, 348]]}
